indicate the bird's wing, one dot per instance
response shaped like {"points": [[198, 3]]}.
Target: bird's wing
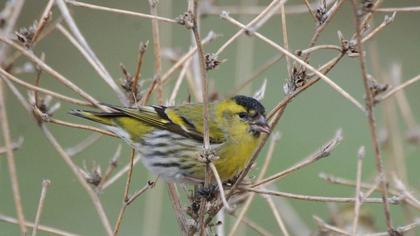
{"points": [[186, 120]]}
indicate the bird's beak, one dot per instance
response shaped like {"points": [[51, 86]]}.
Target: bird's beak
{"points": [[261, 125]]}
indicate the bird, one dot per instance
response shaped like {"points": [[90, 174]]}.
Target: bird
{"points": [[169, 139]]}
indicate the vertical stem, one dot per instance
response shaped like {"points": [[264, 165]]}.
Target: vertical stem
{"points": [[45, 184], [371, 119], [11, 161]]}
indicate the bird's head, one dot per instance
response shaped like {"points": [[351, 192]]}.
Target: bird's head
{"points": [[245, 112]]}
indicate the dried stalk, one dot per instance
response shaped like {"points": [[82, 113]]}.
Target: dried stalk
{"points": [[45, 184], [95, 199], [11, 165], [371, 118]]}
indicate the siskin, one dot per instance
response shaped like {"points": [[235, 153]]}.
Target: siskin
{"points": [[170, 139]]}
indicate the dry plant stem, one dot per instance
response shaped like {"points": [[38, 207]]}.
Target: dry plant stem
{"points": [[83, 145], [137, 75], [331, 13], [405, 192], [47, 229], [398, 9], [75, 169], [324, 151], [254, 226], [401, 230], [220, 185], [322, 224], [393, 91], [156, 50], [84, 44], [387, 21], [8, 76], [91, 60], [255, 10], [9, 26], [176, 204], [166, 76], [178, 82], [79, 126], [320, 47], [125, 197], [11, 165], [256, 75], [111, 166], [371, 119], [53, 72], [251, 196], [358, 195], [15, 145], [262, 14], [119, 11], [43, 20], [119, 174], [277, 215], [394, 200], [333, 85], [205, 99], [45, 184], [285, 39], [308, 5]]}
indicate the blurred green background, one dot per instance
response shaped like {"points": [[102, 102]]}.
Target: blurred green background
{"points": [[309, 121]]}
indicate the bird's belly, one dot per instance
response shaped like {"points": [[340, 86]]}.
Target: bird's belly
{"points": [[171, 156]]}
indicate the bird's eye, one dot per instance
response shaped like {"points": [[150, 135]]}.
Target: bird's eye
{"points": [[242, 115]]}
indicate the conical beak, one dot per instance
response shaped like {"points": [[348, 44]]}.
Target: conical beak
{"points": [[261, 125]]}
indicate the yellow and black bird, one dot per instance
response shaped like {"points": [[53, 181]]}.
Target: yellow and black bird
{"points": [[170, 139]]}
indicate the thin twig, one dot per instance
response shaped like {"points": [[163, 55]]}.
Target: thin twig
{"points": [[329, 227], [333, 85], [371, 118], [125, 194], [47, 229], [392, 200], [95, 199], [79, 126], [176, 204], [285, 38], [83, 145], [119, 11], [105, 75], [137, 74], [406, 83], [251, 196], [220, 186], [8, 76], [277, 215], [45, 184], [45, 17], [308, 5], [111, 166], [398, 9], [15, 145], [52, 72], [11, 161], [358, 195], [324, 151]]}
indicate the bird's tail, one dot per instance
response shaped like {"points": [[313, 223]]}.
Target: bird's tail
{"points": [[104, 118]]}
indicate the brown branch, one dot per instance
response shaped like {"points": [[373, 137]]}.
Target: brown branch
{"points": [[392, 200], [11, 164], [47, 229], [45, 184], [358, 196], [371, 118], [324, 151], [119, 11], [43, 20], [67, 159], [8, 76]]}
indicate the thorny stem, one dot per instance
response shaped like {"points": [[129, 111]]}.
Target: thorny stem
{"points": [[371, 119]]}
